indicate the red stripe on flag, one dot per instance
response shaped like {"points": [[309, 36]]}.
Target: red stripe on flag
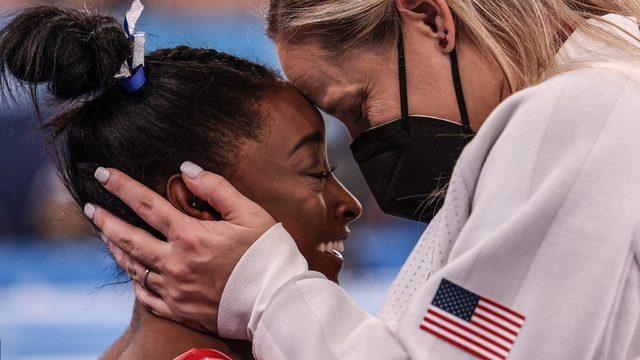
{"points": [[503, 308], [493, 332], [480, 316], [483, 347], [469, 330], [500, 316], [455, 343]]}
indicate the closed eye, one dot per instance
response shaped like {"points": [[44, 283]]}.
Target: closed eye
{"points": [[325, 174]]}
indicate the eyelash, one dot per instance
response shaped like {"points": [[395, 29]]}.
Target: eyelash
{"points": [[324, 175]]}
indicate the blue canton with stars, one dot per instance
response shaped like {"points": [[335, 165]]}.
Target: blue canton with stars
{"points": [[455, 300]]}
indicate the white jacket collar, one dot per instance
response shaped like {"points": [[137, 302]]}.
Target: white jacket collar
{"points": [[580, 47]]}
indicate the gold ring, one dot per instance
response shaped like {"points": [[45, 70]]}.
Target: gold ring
{"points": [[144, 279]]}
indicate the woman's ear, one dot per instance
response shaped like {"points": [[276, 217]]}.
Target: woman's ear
{"points": [[183, 199], [432, 18]]}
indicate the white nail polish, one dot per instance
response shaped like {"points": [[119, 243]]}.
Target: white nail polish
{"points": [[105, 240], [190, 169], [102, 175], [89, 210]]}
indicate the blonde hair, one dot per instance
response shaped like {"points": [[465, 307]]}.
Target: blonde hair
{"points": [[521, 36]]}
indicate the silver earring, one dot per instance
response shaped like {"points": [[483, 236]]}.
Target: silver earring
{"points": [[193, 204]]}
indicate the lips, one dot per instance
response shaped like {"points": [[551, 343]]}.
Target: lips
{"points": [[328, 258]]}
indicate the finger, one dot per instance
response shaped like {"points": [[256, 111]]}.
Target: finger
{"points": [[154, 303], [157, 306], [134, 269], [216, 190], [151, 207], [135, 242], [137, 271]]}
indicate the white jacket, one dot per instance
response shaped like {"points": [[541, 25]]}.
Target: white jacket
{"points": [[538, 232]]}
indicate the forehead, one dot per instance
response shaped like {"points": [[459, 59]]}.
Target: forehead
{"points": [[291, 117], [300, 59], [317, 74]]}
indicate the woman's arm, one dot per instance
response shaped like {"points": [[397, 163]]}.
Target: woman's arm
{"points": [[190, 273], [290, 312]]}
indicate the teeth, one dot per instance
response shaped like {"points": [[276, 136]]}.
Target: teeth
{"points": [[331, 246]]}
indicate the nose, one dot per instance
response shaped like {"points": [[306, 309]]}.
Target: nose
{"points": [[347, 207]]}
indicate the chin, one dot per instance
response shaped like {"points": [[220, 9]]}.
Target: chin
{"points": [[333, 277], [327, 266]]}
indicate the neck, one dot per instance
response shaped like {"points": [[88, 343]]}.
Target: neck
{"points": [[483, 82], [149, 336], [142, 321]]}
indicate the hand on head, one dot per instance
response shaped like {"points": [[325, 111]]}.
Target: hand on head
{"points": [[188, 272]]}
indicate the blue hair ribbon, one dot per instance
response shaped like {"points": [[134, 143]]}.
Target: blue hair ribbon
{"points": [[135, 82], [131, 75]]}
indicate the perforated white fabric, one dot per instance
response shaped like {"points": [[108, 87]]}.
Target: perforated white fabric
{"points": [[430, 254]]}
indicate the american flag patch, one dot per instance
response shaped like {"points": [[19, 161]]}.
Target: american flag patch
{"points": [[471, 322]]}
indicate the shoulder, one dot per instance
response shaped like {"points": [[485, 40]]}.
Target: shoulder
{"points": [[590, 94], [586, 97], [203, 354], [572, 111], [562, 108], [553, 124], [578, 124]]}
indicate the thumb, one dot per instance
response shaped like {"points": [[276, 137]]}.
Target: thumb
{"points": [[218, 192]]}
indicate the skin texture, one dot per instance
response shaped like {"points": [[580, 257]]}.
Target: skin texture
{"points": [[286, 184], [151, 337], [314, 210], [361, 89]]}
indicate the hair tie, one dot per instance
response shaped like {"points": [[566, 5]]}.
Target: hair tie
{"points": [[131, 75]]}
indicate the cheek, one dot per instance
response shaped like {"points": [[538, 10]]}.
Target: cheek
{"points": [[305, 217], [302, 211]]}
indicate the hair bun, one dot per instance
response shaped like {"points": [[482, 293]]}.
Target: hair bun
{"points": [[76, 53]]}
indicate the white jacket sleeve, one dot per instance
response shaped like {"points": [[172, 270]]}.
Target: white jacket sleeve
{"points": [[297, 311]]}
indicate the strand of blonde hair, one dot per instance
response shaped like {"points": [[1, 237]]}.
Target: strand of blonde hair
{"points": [[522, 36]]}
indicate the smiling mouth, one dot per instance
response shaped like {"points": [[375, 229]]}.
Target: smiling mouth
{"points": [[329, 260], [330, 246], [333, 248]]}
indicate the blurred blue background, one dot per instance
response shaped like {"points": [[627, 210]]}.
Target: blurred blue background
{"points": [[53, 302]]}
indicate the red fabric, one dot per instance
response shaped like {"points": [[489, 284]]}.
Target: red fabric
{"points": [[203, 354]]}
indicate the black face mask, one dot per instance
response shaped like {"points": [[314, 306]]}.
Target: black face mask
{"points": [[405, 161]]}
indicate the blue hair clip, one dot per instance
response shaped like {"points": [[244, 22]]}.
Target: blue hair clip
{"points": [[136, 81], [131, 75]]}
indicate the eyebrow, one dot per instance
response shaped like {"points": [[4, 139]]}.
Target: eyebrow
{"points": [[315, 137]]}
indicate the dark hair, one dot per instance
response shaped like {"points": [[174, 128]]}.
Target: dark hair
{"points": [[198, 104]]}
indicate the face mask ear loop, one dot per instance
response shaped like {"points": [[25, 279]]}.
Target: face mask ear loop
{"points": [[457, 84], [402, 77]]}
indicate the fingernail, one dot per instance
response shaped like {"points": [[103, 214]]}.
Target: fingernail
{"points": [[190, 169], [89, 210], [105, 240], [102, 175]]}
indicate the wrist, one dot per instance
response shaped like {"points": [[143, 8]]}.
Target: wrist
{"points": [[269, 263]]}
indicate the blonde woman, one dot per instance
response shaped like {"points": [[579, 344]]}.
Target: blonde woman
{"points": [[532, 254]]}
